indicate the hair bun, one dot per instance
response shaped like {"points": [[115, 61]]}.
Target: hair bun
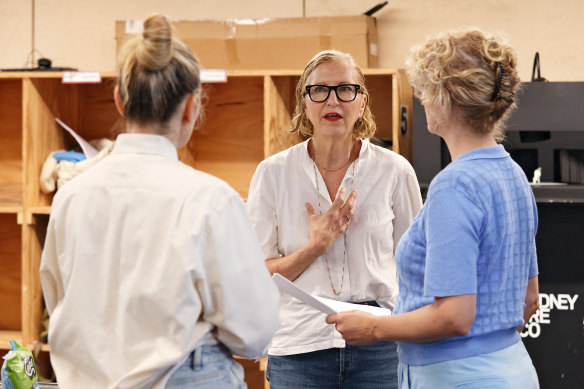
{"points": [[156, 49]]}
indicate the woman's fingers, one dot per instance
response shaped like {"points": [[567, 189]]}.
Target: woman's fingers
{"points": [[310, 209], [348, 209]]}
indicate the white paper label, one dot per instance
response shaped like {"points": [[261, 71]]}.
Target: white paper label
{"points": [[134, 26], [373, 49], [81, 77], [213, 75]]}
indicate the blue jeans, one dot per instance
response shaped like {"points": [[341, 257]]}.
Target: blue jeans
{"points": [[509, 368], [368, 367], [208, 367]]}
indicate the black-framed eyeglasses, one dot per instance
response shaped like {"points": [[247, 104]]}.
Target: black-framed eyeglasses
{"points": [[344, 92]]}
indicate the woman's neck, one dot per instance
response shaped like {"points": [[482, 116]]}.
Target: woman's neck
{"points": [[461, 137], [467, 141], [332, 154], [135, 128]]}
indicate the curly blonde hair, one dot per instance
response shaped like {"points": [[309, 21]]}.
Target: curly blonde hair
{"points": [[471, 71], [364, 127]]}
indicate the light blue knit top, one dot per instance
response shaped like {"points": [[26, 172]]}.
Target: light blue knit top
{"points": [[474, 235]]}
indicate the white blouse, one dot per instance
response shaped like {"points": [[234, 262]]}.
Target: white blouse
{"points": [[388, 198], [145, 259]]}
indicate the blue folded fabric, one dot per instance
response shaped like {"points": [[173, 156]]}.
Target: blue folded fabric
{"points": [[72, 156]]}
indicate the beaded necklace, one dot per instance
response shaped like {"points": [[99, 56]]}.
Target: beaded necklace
{"points": [[318, 195]]}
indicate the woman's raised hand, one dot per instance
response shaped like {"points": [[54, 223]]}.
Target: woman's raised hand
{"points": [[327, 227]]}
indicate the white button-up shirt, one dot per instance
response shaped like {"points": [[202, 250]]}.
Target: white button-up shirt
{"points": [[145, 259], [388, 198]]}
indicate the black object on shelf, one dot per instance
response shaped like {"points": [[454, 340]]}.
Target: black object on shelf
{"points": [[375, 9], [535, 136], [44, 65], [536, 66]]}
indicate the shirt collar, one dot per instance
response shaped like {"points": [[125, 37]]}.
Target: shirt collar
{"points": [[144, 144], [308, 160], [492, 152], [352, 171]]}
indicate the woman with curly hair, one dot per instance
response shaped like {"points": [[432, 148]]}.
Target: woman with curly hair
{"points": [[467, 266]]}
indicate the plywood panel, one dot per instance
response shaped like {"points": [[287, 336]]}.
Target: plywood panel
{"points": [[229, 145], [11, 142], [403, 116], [40, 139], [10, 263], [98, 116], [7, 336], [281, 102], [45, 99], [33, 240], [10, 119], [381, 91]]}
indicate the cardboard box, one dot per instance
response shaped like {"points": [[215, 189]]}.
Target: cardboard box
{"points": [[286, 43]]}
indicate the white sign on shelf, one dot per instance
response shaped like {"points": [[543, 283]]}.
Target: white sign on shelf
{"points": [[134, 26], [213, 75], [81, 77]]}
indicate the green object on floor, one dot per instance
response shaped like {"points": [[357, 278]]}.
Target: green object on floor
{"points": [[18, 370]]}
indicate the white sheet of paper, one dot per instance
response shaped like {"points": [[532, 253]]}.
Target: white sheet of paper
{"points": [[325, 305], [87, 148]]}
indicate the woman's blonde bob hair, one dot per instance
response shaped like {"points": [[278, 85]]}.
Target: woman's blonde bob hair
{"points": [[364, 126], [471, 71]]}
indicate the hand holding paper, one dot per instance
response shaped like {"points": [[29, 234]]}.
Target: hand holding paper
{"points": [[325, 305]]}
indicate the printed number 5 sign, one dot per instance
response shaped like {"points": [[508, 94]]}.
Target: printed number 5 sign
{"points": [[404, 119]]}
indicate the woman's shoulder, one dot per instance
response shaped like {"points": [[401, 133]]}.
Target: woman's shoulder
{"points": [[285, 158], [389, 159], [458, 178], [191, 180]]}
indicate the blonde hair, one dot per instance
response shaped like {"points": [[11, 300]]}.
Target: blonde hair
{"points": [[155, 72], [471, 71], [364, 126]]}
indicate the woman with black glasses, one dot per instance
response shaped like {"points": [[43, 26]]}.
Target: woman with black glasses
{"points": [[329, 213]]}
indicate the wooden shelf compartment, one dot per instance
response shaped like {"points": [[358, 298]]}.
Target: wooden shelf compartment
{"points": [[11, 180], [246, 120], [6, 337], [390, 93], [229, 144], [87, 108], [280, 97], [11, 283], [33, 240]]}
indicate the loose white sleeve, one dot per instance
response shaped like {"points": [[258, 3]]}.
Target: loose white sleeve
{"points": [[50, 275], [238, 295], [407, 202], [261, 209]]}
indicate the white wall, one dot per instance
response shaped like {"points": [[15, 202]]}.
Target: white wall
{"points": [[80, 33]]}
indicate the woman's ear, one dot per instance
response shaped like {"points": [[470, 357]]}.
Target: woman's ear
{"points": [[191, 110], [118, 101], [363, 105]]}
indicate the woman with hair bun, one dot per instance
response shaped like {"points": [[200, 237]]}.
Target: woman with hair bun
{"points": [[467, 266], [317, 232], [151, 272]]}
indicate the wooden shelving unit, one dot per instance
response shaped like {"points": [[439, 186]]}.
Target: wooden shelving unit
{"points": [[246, 120]]}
